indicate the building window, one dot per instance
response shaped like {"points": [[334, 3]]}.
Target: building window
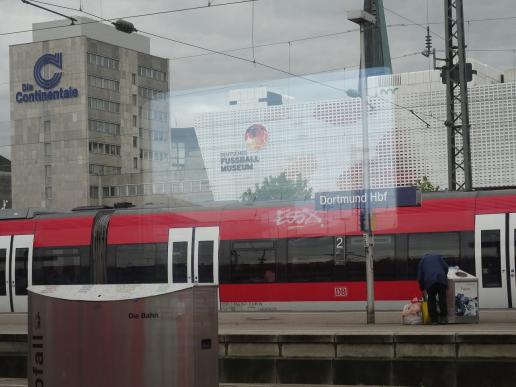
{"points": [[135, 121], [177, 187], [147, 93], [152, 73], [103, 61], [135, 162], [46, 131], [94, 192], [154, 115], [104, 105], [178, 153], [132, 190], [48, 170], [135, 142], [205, 186], [104, 127], [48, 193], [105, 149], [48, 149], [134, 99], [104, 83], [158, 188], [133, 77]]}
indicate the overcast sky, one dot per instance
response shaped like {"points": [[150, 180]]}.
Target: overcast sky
{"points": [[275, 21]]}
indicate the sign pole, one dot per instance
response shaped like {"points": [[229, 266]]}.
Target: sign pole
{"points": [[365, 20], [368, 237]]}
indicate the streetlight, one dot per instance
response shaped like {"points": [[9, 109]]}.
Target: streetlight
{"points": [[364, 20]]}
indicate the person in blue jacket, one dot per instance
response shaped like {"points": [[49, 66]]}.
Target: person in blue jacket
{"points": [[432, 275]]}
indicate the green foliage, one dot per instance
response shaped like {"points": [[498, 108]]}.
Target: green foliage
{"points": [[425, 185], [279, 188]]}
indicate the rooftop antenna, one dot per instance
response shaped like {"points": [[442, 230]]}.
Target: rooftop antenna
{"points": [[72, 19]]}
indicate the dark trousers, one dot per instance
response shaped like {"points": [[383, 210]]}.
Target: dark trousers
{"points": [[438, 290]]}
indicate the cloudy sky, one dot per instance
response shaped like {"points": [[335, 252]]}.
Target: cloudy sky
{"points": [[318, 32]]}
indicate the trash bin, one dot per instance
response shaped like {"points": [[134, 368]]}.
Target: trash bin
{"points": [[462, 297], [136, 335]]}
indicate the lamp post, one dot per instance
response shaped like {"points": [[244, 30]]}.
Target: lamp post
{"points": [[365, 19]]}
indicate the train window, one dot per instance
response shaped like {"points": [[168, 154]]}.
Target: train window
{"points": [[445, 243], [251, 262], [467, 252], [354, 270], [310, 259], [3, 279], [21, 271], [137, 263], [179, 262], [205, 261], [61, 265], [491, 259], [385, 264]]}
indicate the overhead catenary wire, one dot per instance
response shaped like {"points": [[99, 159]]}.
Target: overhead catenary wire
{"points": [[265, 65], [101, 19], [252, 30], [412, 21]]}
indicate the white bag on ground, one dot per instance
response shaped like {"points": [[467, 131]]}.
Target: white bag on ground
{"points": [[411, 314]]}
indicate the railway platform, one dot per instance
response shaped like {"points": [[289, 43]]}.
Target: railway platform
{"points": [[23, 383], [339, 349]]}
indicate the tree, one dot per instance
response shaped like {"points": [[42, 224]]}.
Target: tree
{"points": [[279, 188], [425, 185]]}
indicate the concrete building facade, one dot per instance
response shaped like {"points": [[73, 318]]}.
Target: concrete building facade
{"points": [[89, 117]]}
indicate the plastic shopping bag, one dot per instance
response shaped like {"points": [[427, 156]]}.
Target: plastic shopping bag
{"points": [[411, 314]]}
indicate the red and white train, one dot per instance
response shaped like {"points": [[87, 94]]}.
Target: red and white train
{"points": [[273, 257]]}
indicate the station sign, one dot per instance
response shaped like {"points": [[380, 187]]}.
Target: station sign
{"points": [[373, 198], [49, 84]]}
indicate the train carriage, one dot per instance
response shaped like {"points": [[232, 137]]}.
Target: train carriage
{"points": [[274, 256]]}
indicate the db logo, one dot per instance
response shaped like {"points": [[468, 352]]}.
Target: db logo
{"points": [[341, 292]]}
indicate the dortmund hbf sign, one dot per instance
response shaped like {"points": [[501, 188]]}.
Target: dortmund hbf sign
{"points": [[372, 198]]}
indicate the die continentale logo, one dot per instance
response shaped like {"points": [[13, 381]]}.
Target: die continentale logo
{"points": [[48, 82]]}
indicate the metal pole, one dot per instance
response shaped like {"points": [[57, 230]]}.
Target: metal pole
{"points": [[368, 237], [464, 109]]}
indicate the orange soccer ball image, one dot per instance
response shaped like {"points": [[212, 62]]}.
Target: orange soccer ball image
{"points": [[256, 136]]}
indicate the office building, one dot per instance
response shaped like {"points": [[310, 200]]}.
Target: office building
{"points": [[89, 117]]}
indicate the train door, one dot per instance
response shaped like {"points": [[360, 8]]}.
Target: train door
{"points": [[15, 258], [5, 253], [491, 260], [193, 255], [512, 258]]}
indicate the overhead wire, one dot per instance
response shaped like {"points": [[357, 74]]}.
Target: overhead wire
{"points": [[252, 30], [265, 65], [101, 19], [412, 21]]}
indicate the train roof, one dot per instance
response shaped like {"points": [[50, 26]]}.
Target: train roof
{"points": [[30, 213]]}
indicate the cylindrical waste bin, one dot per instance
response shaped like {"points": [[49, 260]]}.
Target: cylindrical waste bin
{"points": [[141, 335], [462, 297]]}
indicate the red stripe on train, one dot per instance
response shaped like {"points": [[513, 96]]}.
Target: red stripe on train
{"points": [[318, 291], [69, 231]]}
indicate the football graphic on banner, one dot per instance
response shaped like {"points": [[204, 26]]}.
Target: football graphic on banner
{"points": [[256, 137]]}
